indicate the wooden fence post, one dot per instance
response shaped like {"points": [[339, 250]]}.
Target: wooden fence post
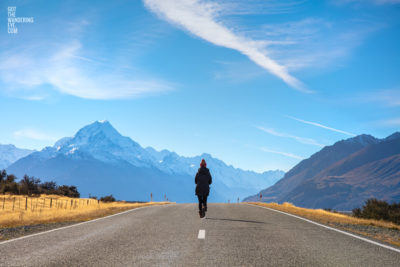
{"points": [[13, 203], [51, 202], [4, 200], [26, 203]]}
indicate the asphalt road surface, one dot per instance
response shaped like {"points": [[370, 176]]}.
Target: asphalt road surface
{"points": [[234, 235]]}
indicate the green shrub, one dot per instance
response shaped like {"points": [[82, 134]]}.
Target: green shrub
{"points": [[379, 210], [32, 186], [109, 198]]}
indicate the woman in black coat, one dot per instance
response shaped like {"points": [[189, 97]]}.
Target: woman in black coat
{"points": [[203, 180]]}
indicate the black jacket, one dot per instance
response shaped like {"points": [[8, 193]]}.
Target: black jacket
{"points": [[203, 180]]}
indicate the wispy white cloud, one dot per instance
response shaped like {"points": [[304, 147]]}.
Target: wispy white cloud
{"points": [[393, 122], [389, 97], [249, 7], [65, 70], [203, 19], [303, 140], [290, 155], [321, 126], [33, 134], [314, 43]]}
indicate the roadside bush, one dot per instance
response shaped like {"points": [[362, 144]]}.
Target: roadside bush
{"points": [[69, 191], [48, 188], [29, 185], [109, 198], [32, 186], [379, 210]]}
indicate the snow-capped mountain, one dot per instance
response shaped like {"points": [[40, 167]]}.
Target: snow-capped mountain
{"points": [[10, 154], [100, 146]]}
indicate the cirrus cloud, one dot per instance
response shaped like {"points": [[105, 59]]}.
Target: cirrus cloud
{"points": [[64, 69], [202, 20]]}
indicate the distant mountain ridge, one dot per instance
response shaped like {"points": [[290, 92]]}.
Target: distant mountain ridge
{"points": [[99, 160], [342, 176], [10, 154]]}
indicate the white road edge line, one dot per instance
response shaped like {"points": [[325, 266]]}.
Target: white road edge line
{"points": [[202, 234], [77, 224], [333, 229]]}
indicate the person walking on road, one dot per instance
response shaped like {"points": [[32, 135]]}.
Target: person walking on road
{"points": [[203, 180]]}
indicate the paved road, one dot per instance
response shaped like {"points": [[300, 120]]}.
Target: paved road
{"points": [[235, 235]]}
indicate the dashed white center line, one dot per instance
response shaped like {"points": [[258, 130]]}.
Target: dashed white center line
{"points": [[202, 234]]}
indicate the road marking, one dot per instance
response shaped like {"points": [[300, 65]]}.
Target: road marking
{"points": [[202, 234], [73, 225], [333, 229]]}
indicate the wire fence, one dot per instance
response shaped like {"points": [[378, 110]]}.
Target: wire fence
{"points": [[25, 203]]}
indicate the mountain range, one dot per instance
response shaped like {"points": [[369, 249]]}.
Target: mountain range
{"points": [[342, 176], [10, 154], [99, 161]]}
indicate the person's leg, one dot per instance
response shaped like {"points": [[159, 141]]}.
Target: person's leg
{"points": [[200, 202], [205, 202]]}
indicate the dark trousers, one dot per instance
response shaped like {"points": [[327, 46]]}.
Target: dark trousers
{"points": [[202, 201]]}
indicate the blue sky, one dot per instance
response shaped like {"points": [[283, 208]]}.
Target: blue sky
{"points": [[258, 84]]}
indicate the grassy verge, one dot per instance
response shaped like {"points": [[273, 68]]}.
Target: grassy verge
{"points": [[380, 230], [22, 211]]}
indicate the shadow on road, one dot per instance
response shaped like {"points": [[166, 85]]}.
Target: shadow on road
{"points": [[234, 220]]}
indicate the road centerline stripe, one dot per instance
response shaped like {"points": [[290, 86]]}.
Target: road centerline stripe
{"points": [[202, 234]]}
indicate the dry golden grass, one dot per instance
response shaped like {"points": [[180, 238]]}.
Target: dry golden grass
{"points": [[326, 216], [342, 221], [22, 210]]}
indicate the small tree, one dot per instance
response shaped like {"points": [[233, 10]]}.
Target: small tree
{"points": [[69, 191], [109, 198], [3, 175], [48, 187], [379, 210], [29, 185]]}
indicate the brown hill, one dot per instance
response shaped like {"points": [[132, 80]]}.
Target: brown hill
{"points": [[343, 176]]}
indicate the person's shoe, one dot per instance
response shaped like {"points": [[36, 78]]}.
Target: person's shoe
{"points": [[200, 214], [205, 209], [203, 214]]}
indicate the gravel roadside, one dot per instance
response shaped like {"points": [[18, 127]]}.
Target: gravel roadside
{"points": [[386, 235], [15, 232]]}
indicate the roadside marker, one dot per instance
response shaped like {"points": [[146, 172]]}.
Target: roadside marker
{"points": [[202, 234]]}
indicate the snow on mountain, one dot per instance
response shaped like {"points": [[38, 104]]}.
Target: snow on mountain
{"points": [[102, 142], [9, 154], [363, 139]]}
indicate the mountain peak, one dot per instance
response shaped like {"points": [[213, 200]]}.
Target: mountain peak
{"points": [[393, 136], [95, 134], [363, 139], [97, 127]]}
